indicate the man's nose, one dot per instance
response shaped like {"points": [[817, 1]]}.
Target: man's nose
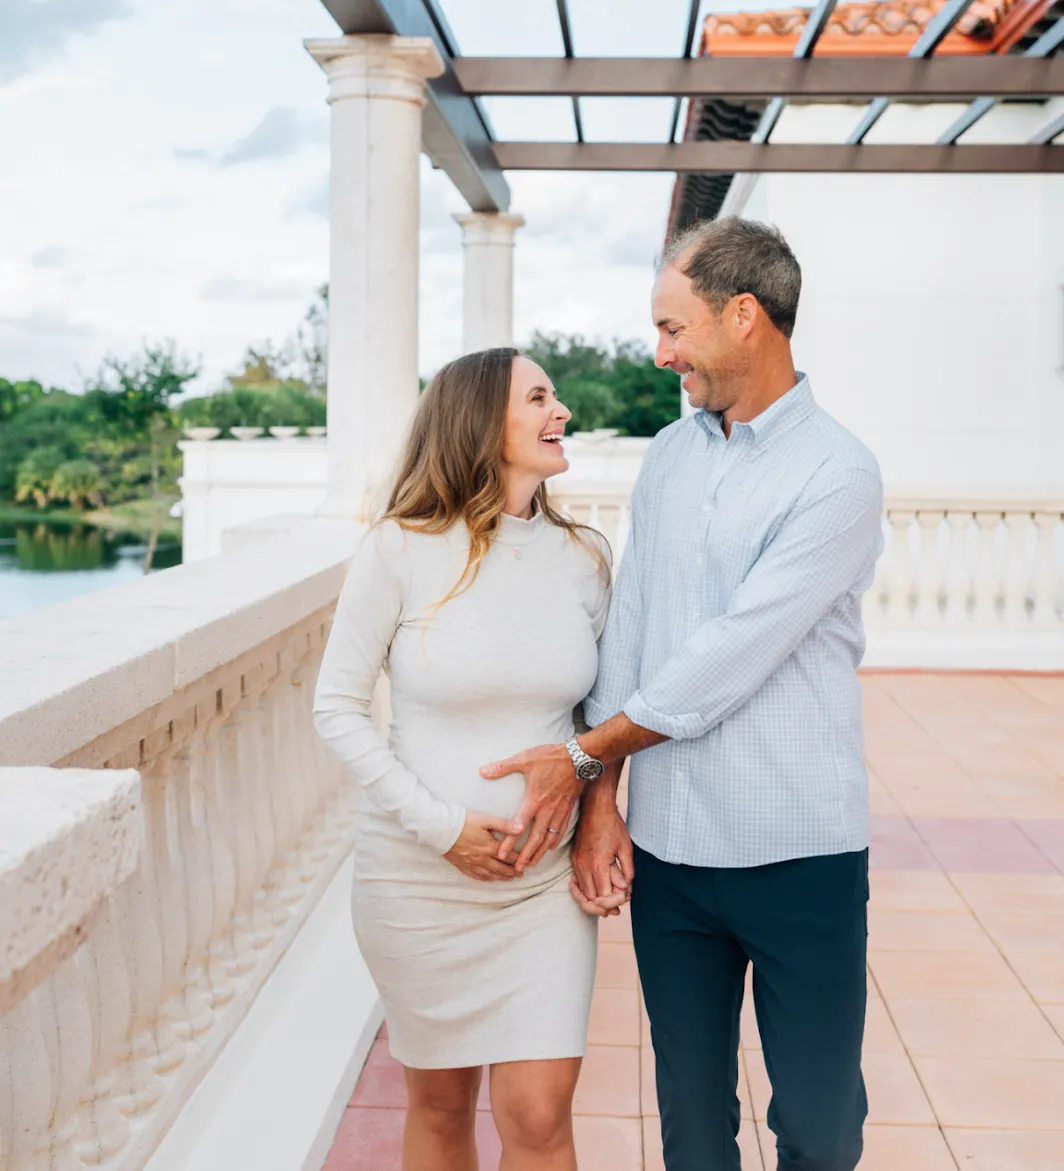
{"points": [[663, 355]]}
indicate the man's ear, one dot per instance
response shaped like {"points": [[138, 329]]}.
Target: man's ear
{"points": [[746, 309]]}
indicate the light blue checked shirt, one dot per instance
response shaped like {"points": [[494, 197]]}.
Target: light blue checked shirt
{"points": [[735, 629]]}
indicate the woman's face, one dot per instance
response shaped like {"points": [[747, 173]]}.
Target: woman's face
{"points": [[535, 424]]}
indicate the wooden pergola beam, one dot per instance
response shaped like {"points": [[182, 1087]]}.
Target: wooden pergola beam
{"points": [[819, 78], [738, 157]]}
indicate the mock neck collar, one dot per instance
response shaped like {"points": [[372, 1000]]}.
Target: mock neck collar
{"points": [[513, 530]]}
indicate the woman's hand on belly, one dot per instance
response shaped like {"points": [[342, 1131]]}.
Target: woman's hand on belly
{"points": [[476, 851]]}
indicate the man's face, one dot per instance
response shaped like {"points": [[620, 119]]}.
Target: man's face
{"points": [[701, 345]]}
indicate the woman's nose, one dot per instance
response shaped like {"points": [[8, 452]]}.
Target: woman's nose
{"points": [[562, 412]]}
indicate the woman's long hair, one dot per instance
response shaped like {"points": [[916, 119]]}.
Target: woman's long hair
{"points": [[451, 468]]}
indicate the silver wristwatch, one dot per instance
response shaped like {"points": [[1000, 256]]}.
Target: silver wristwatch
{"points": [[587, 767]]}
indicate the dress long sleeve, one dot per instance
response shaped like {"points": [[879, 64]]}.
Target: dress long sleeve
{"points": [[368, 615]]}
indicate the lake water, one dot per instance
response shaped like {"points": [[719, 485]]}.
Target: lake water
{"points": [[44, 563]]}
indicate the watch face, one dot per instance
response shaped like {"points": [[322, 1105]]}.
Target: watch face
{"points": [[590, 770]]}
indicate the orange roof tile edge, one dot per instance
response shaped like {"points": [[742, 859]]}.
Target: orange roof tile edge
{"points": [[879, 28]]}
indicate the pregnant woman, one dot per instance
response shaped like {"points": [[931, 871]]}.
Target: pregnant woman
{"points": [[485, 607]]}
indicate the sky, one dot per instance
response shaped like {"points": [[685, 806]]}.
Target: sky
{"points": [[165, 171]]}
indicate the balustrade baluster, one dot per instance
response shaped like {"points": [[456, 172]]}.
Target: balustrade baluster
{"points": [[1017, 576], [899, 600], [960, 522], [1046, 584], [929, 575], [102, 1129], [987, 582], [620, 539], [62, 1010], [27, 1089]]}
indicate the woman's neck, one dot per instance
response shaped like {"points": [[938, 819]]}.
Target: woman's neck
{"points": [[520, 497]]}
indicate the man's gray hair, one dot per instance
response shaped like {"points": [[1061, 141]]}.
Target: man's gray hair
{"points": [[723, 258]]}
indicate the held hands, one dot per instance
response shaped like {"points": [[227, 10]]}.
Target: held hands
{"points": [[602, 858], [477, 853], [552, 790]]}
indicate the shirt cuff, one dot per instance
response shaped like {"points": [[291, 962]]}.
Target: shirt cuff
{"points": [[596, 713], [685, 727]]}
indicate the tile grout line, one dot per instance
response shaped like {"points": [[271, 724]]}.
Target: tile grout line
{"points": [[912, 1066]]}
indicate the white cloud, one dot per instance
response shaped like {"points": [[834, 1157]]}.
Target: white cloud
{"points": [[36, 30], [118, 223]]}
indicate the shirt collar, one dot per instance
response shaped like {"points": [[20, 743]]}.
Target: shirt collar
{"points": [[797, 404]]}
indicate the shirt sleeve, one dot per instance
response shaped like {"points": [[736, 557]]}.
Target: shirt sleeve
{"points": [[620, 647], [825, 548], [367, 616]]}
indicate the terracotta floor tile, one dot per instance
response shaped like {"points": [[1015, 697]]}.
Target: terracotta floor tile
{"points": [[944, 976], [644, 1022], [976, 1028], [887, 1148], [977, 1091], [489, 1145], [653, 1158], [925, 931], [1012, 892], [1025, 797], [609, 1082], [979, 845], [616, 928], [1055, 1014], [1042, 974], [382, 1082], [1037, 931], [1007, 1150], [897, 846], [648, 1092], [905, 1148], [880, 1034], [616, 966], [898, 890], [1048, 836], [895, 1096], [760, 1090], [609, 1144], [367, 1140], [963, 801], [614, 1017], [749, 1036]]}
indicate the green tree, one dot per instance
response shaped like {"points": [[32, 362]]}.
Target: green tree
{"points": [[619, 388], [14, 396], [35, 474], [78, 482]]}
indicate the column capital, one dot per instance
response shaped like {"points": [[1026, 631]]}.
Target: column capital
{"points": [[489, 227], [377, 66]]}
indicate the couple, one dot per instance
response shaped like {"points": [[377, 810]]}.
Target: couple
{"points": [[725, 668]]}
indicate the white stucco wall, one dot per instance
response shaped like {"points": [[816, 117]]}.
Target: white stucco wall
{"points": [[932, 313]]}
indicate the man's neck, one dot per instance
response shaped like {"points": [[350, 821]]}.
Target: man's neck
{"points": [[764, 387]]}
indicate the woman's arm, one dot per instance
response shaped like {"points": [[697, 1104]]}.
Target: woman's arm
{"points": [[367, 617]]}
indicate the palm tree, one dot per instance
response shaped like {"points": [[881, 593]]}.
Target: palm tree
{"points": [[33, 478], [77, 481]]}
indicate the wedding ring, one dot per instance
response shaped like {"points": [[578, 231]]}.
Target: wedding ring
{"points": [[553, 831]]}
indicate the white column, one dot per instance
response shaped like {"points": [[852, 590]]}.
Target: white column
{"points": [[376, 93], [488, 303]]}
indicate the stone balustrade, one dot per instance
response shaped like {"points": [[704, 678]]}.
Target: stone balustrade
{"points": [[975, 584], [185, 888]]}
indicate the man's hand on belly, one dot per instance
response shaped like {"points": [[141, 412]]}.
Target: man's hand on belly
{"points": [[552, 790]]}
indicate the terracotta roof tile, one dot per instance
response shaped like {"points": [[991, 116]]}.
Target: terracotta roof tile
{"points": [[860, 19]]}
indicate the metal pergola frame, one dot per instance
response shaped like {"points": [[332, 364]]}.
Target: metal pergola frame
{"points": [[458, 136]]}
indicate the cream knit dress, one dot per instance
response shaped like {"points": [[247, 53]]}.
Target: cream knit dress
{"points": [[470, 973]]}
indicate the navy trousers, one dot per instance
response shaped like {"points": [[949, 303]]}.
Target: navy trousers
{"points": [[803, 924]]}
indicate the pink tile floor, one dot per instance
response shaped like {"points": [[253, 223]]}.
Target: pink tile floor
{"points": [[964, 1052]]}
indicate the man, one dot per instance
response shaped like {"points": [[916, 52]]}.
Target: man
{"points": [[728, 673]]}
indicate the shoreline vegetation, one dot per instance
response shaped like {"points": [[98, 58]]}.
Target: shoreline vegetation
{"points": [[106, 456]]}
